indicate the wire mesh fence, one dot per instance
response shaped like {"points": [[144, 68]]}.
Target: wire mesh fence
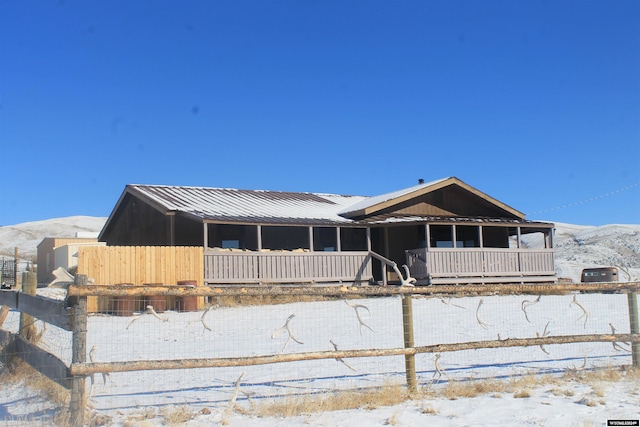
{"points": [[241, 331], [243, 327], [8, 273], [509, 317], [156, 351]]}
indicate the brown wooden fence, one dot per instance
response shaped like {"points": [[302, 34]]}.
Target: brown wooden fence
{"points": [[139, 265]]}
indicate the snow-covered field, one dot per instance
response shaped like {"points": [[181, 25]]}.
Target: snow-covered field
{"points": [[248, 331]]}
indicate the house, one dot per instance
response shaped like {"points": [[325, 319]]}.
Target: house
{"points": [[445, 231], [54, 252]]}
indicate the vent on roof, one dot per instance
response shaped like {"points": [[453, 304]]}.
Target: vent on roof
{"points": [[420, 181]]}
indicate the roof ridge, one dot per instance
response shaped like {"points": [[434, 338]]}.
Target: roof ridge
{"points": [[202, 187]]}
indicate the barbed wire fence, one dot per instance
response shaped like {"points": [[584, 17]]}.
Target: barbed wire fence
{"points": [[144, 352]]}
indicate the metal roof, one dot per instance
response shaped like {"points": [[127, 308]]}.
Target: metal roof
{"points": [[226, 204], [279, 207]]}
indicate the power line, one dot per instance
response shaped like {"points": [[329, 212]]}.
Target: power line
{"points": [[592, 199]]}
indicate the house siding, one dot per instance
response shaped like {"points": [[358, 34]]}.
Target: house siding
{"points": [[137, 223], [450, 201]]}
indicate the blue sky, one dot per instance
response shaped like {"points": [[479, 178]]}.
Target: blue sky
{"points": [[536, 103]]}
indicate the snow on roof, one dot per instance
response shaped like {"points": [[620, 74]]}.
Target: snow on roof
{"points": [[228, 204], [275, 207]]}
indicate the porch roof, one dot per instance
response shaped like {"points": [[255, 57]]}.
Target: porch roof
{"points": [[387, 220]]}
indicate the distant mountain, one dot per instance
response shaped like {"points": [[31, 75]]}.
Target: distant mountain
{"points": [[615, 245], [577, 246], [28, 235]]}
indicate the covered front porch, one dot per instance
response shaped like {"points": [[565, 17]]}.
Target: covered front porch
{"points": [[473, 251], [437, 252]]}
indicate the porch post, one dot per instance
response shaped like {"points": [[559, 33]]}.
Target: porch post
{"points": [[368, 239], [311, 239], [205, 236], [454, 236], [259, 230], [427, 236], [386, 241], [338, 241], [172, 229], [519, 235]]}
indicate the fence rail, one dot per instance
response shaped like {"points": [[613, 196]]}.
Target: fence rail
{"points": [[130, 366]]}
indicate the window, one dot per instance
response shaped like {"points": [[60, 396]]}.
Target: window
{"points": [[441, 236], [233, 236], [285, 238], [353, 239], [467, 236], [325, 239], [495, 237]]}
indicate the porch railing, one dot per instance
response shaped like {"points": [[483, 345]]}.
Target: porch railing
{"points": [[479, 265], [236, 267]]}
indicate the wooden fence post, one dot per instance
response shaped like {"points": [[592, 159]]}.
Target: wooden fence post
{"points": [[79, 355], [632, 299], [27, 322], [409, 359]]}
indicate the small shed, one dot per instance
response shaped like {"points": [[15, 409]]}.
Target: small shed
{"points": [[54, 252]]}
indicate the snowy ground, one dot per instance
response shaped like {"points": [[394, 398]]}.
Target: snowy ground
{"points": [[248, 331]]}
